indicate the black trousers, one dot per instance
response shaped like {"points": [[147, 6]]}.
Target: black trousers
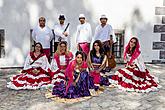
{"points": [[55, 46]]}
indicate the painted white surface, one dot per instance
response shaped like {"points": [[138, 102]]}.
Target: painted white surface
{"points": [[17, 17]]}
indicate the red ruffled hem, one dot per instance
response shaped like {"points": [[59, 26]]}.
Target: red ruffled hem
{"points": [[136, 84], [31, 79]]}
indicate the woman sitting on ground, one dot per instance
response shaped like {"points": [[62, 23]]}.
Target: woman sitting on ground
{"points": [[77, 84], [61, 60], [135, 76], [35, 73], [97, 63]]}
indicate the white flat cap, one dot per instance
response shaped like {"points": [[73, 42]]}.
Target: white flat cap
{"points": [[81, 16], [103, 17]]}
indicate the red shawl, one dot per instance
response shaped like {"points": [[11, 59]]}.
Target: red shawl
{"points": [[36, 58], [70, 71]]}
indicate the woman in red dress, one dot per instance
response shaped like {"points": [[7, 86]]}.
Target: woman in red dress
{"points": [[61, 60], [35, 73]]}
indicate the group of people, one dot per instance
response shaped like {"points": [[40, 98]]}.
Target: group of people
{"points": [[43, 34], [74, 77]]}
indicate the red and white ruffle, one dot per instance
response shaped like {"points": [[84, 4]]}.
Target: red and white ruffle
{"points": [[29, 81], [133, 80], [58, 77]]}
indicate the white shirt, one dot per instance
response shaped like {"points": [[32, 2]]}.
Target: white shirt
{"points": [[103, 33], [62, 60], [84, 33], [42, 35], [58, 31]]}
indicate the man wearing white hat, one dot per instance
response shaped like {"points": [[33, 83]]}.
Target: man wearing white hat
{"points": [[60, 31], [83, 35], [104, 32]]}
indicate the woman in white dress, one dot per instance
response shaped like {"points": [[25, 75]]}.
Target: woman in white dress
{"points": [[35, 73], [135, 76]]}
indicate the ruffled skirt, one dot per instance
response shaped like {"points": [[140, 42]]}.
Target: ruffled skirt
{"points": [[29, 80], [129, 79]]}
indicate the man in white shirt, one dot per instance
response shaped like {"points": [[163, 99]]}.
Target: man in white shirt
{"points": [[60, 33], [105, 33], [83, 35], [44, 35]]}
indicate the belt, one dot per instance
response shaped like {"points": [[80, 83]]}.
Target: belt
{"points": [[83, 42]]}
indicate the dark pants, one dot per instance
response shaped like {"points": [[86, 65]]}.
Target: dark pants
{"points": [[55, 46]]}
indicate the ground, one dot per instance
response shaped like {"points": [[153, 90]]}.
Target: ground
{"points": [[111, 99]]}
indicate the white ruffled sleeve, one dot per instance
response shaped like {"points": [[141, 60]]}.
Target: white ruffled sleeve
{"points": [[140, 64], [54, 66], [45, 64], [27, 63]]}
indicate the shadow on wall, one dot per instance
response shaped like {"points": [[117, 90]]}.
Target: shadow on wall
{"points": [[137, 26], [19, 18]]}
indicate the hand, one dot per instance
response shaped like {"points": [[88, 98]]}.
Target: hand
{"points": [[65, 34], [74, 83], [111, 42], [126, 65], [131, 66], [77, 67], [63, 71], [102, 74], [35, 71], [65, 82]]}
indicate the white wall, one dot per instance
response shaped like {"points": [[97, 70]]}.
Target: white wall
{"points": [[17, 17]]}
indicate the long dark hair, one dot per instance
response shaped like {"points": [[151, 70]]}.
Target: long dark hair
{"points": [[81, 53], [101, 51], [133, 49], [40, 46]]}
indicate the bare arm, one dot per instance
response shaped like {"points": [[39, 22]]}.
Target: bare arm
{"points": [[103, 63], [90, 65]]}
